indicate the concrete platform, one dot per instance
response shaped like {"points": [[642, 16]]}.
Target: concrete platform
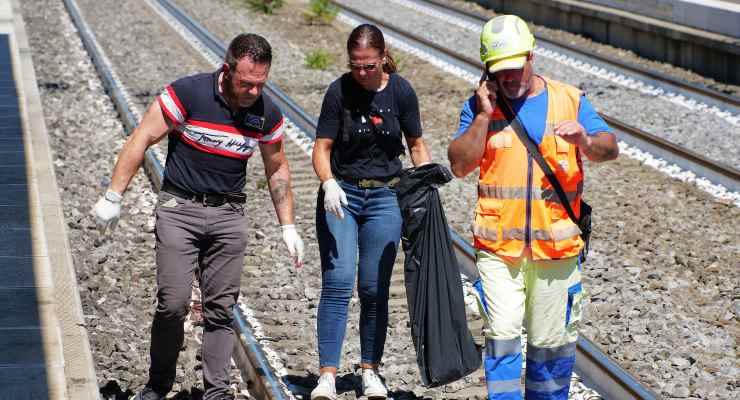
{"points": [[711, 54], [44, 350], [716, 16]]}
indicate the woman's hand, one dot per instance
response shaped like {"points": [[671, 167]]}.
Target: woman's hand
{"points": [[334, 197]]}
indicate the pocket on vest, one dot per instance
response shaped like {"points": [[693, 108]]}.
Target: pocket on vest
{"points": [[487, 227], [564, 234]]}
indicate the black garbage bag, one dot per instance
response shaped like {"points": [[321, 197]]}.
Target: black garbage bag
{"points": [[445, 351]]}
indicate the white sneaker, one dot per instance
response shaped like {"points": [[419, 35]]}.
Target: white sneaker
{"points": [[372, 386], [325, 389]]}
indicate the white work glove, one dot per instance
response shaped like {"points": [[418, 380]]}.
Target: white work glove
{"points": [[107, 211], [294, 243], [334, 197]]}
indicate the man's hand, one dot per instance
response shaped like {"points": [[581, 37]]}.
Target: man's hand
{"points": [[107, 211], [486, 96], [294, 243], [466, 151], [334, 197], [572, 132]]}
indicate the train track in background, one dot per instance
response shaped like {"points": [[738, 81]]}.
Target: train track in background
{"points": [[716, 172], [594, 367], [666, 82]]}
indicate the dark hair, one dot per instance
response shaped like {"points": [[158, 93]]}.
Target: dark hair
{"points": [[367, 35], [248, 45]]}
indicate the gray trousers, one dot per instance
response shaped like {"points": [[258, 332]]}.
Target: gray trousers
{"points": [[190, 235]]}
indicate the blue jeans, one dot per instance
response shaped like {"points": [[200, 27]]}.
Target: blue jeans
{"points": [[371, 228]]}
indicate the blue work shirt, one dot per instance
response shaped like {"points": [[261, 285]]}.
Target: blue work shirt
{"points": [[532, 112]]}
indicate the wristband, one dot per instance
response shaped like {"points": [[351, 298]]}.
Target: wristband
{"points": [[324, 183], [113, 196]]}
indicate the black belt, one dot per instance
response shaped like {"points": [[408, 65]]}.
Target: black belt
{"points": [[207, 199], [366, 183]]}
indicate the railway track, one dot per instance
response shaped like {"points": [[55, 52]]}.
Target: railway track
{"points": [[257, 365], [700, 92], [719, 173]]}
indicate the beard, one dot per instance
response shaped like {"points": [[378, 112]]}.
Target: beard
{"points": [[514, 91], [246, 101], [231, 95]]}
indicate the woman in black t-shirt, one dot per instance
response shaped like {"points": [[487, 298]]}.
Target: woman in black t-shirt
{"points": [[364, 116]]}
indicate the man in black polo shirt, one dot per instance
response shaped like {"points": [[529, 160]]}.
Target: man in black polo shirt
{"points": [[214, 122]]}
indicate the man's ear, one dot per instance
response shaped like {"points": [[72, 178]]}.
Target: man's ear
{"points": [[227, 70]]}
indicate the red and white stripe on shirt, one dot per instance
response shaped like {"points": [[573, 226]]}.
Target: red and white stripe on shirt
{"points": [[221, 139]]}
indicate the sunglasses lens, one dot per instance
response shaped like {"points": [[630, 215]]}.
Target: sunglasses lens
{"points": [[359, 67]]}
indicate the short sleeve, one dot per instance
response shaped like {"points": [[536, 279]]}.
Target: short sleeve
{"points": [[331, 113], [408, 110], [590, 119], [274, 123], [466, 117], [174, 102]]}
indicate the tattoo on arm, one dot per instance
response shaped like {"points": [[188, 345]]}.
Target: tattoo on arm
{"points": [[279, 189]]}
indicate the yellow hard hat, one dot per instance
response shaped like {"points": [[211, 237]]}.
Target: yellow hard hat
{"points": [[504, 42]]}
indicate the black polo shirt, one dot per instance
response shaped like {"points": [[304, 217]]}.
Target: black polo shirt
{"points": [[210, 144]]}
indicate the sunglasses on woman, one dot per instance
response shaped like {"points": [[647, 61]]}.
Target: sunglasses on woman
{"points": [[367, 67]]}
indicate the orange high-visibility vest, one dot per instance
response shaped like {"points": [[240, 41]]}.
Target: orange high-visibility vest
{"points": [[517, 205]]}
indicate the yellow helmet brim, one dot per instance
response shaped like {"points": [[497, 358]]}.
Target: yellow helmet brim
{"points": [[516, 61]]}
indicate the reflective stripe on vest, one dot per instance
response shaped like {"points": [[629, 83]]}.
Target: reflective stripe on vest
{"points": [[518, 233], [502, 213], [510, 193]]}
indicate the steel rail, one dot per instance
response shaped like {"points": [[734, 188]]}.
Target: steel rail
{"points": [[714, 171], [689, 87], [292, 111], [154, 168], [248, 353]]}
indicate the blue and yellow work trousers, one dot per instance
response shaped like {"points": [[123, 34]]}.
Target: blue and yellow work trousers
{"points": [[546, 296]]}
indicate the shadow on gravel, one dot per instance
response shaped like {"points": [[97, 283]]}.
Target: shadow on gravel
{"points": [[301, 385], [112, 391], [194, 394]]}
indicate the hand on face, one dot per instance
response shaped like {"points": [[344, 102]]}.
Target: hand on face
{"points": [[486, 95]]}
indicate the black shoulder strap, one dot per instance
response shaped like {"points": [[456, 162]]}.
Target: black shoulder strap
{"points": [[346, 117], [521, 132]]}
